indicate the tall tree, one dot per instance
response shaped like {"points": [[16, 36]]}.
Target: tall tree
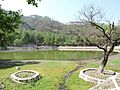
{"points": [[9, 21], [105, 36]]}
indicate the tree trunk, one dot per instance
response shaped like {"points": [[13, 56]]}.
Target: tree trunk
{"points": [[104, 62]]}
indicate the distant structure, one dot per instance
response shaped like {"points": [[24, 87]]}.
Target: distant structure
{"points": [[74, 23]]}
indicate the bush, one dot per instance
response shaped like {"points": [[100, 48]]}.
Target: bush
{"points": [[18, 42]]}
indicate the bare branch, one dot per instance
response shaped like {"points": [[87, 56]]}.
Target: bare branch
{"points": [[100, 47], [101, 28]]}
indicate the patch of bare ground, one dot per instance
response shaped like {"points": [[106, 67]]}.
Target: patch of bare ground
{"points": [[95, 74]]}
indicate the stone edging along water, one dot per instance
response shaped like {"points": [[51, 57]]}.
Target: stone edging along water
{"points": [[1, 86], [17, 79], [42, 48]]}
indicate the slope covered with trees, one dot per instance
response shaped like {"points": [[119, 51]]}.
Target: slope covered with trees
{"points": [[35, 22], [45, 31]]}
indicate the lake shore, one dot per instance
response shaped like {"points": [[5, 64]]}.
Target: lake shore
{"points": [[61, 48]]}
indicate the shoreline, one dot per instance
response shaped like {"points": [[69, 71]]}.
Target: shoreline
{"points": [[61, 48]]}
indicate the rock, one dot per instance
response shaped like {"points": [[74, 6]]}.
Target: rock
{"points": [[17, 68]]}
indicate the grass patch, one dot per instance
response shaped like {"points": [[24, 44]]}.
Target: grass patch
{"points": [[115, 62], [76, 83], [52, 74], [114, 65]]}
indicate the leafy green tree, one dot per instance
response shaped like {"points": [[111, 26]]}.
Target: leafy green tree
{"points": [[18, 42], [48, 39], [9, 21], [26, 37], [40, 38], [33, 37]]}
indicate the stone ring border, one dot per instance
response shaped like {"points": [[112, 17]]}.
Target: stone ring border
{"points": [[1, 86], [23, 80], [89, 78]]}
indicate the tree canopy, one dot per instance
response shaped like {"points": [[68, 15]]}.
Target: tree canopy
{"points": [[9, 21]]}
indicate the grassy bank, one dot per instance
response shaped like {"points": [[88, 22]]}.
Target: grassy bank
{"points": [[52, 75]]}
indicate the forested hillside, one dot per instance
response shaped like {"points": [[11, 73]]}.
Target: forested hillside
{"points": [[38, 30], [35, 22]]}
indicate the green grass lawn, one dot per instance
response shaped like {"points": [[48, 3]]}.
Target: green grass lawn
{"points": [[76, 83], [52, 75]]}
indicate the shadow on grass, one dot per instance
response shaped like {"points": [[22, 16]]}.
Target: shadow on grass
{"points": [[11, 63]]}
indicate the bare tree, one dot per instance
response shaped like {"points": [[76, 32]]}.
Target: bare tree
{"points": [[103, 35]]}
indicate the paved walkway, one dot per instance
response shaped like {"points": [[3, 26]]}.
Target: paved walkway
{"points": [[79, 48], [82, 48]]}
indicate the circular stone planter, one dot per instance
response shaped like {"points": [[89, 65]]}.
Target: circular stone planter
{"points": [[25, 76], [84, 75], [1, 86]]}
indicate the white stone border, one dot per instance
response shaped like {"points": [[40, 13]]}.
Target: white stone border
{"points": [[23, 80], [110, 78], [98, 81], [1, 86], [89, 78]]}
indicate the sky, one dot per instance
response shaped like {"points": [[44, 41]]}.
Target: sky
{"points": [[64, 10]]}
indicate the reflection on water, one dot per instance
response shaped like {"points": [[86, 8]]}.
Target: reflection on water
{"points": [[50, 55]]}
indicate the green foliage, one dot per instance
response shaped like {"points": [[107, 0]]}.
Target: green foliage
{"points": [[9, 21], [18, 42], [44, 24], [52, 74], [26, 37]]}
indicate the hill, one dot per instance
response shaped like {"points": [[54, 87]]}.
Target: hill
{"points": [[35, 22]]}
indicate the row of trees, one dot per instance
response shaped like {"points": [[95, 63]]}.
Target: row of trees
{"points": [[26, 37], [9, 21]]}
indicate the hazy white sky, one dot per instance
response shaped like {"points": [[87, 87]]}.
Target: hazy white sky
{"points": [[63, 10]]}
